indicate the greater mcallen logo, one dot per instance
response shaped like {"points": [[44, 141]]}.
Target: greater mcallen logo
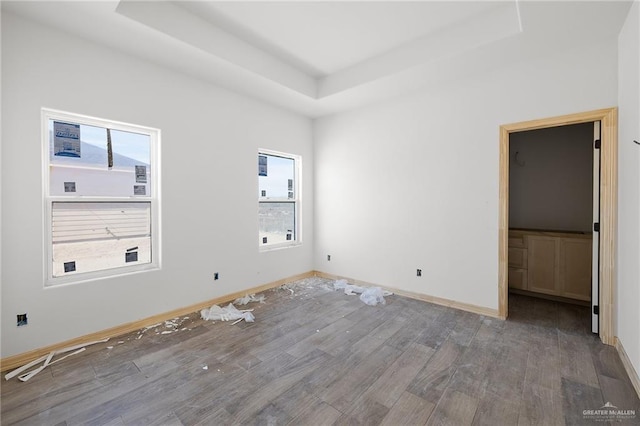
{"points": [[609, 412]]}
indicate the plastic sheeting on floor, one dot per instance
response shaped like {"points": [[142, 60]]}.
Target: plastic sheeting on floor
{"points": [[369, 295], [228, 313]]}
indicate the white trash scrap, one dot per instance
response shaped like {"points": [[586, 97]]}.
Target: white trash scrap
{"points": [[230, 313], [248, 298], [173, 325], [369, 295], [48, 361], [288, 287]]}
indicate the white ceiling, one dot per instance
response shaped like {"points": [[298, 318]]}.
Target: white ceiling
{"points": [[325, 37], [318, 58]]}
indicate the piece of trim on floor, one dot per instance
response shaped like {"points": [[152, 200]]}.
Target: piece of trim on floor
{"points": [[628, 366], [48, 360], [19, 360], [480, 310]]}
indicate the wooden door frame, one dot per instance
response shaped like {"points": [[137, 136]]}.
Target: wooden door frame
{"points": [[608, 208]]}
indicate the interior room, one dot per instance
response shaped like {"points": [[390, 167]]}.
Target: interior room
{"points": [[552, 213], [397, 145]]}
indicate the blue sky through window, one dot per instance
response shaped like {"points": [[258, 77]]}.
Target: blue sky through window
{"points": [[132, 145]]}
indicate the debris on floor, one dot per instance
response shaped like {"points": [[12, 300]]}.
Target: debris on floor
{"points": [[305, 288], [287, 287], [349, 289], [171, 326], [248, 298], [48, 360], [374, 295], [230, 313], [369, 295]]}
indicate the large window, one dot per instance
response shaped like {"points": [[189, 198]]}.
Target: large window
{"points": [[101, 197], [278, 199]]}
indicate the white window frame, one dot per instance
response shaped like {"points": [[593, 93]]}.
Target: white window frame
{"points": [[49, 200], [296, 201]]}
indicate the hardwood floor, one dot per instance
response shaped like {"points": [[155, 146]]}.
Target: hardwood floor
{"points": [[319, 357]]}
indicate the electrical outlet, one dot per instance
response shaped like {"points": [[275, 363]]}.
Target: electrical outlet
{"points": [[328, 257], [419, 272], [216, 276], [21, 320]]}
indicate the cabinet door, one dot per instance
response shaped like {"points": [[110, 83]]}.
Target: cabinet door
{"points": [[517, 239], [518, 278], [575, 268], [518, 257], [543, 260]]}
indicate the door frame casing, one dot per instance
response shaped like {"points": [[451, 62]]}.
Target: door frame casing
{"points": [[608, 208]]}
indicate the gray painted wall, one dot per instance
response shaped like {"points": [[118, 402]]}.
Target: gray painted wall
{"points": [[551, 180]]}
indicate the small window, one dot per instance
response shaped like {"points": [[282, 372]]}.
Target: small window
{"points": [[101, 197], [278, 199]]}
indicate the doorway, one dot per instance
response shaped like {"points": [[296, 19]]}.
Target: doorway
{"points": [[552, 211], [608, 208]]}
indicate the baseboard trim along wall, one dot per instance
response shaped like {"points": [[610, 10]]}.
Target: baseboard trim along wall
{"points": [[19, 360], [480, 310], [15, 361], [631, 372]]}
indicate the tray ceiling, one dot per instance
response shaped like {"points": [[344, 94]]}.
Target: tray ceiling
{"points": [[318, 58]]}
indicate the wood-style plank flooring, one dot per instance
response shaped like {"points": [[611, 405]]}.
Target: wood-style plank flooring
{"points": [[319, 357]]}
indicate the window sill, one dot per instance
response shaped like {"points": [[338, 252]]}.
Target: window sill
{"points": [[98, 275], [279, 246]]}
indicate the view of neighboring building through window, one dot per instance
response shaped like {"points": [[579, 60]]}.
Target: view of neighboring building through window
{"points": [[101, 197], [278, 199]]}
